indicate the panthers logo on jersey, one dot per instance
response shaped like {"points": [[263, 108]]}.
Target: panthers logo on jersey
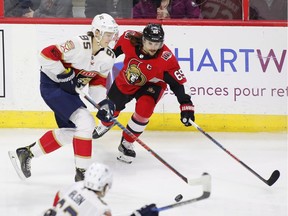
{"points": [[84, 77], [133, 74]]}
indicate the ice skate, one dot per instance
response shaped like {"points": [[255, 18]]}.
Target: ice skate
{"points": [[100, 130], [21, 160], [80, 174], [126, 151]]}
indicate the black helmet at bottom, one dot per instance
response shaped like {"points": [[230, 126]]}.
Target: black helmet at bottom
{"points": [[153, 32]]}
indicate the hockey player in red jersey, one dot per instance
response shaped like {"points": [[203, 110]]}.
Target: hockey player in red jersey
{"points": [[149, 65], [84, 60]]}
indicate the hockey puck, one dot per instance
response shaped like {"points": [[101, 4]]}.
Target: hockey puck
{"points": [[178, 198]]}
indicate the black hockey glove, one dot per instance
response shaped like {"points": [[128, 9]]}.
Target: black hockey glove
{"points": [[146, 211], [67, 81], [50, 212], [106, 110], [187, 113]]}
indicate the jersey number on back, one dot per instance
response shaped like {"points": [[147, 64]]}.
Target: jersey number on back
{"points": [[69, 210]]}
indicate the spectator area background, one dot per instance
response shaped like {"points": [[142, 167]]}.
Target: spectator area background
{"points": [[229, 104]]}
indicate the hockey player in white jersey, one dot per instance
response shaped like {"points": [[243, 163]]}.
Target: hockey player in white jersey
{"points": [[85, 198], [77, 62]]}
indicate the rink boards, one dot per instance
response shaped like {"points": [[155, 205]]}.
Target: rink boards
{"points": [[237, 76]]}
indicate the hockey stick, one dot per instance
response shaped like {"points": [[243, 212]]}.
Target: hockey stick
{"points": [[135, 138], [274, 176], [206, 185], [204, 180]]}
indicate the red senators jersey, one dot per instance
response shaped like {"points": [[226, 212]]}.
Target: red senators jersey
{"points": [[140, 69]]}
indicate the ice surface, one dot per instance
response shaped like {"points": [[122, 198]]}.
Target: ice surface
{"points": [[235, 190]]}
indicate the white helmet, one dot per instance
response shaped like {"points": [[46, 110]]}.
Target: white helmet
{"points": [[104, 23], [97, 176]]}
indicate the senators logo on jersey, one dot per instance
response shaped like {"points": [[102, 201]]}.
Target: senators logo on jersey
{"points": [[133, 73]]}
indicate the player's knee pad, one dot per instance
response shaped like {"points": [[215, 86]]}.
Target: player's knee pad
{"points": [[84, 122]]}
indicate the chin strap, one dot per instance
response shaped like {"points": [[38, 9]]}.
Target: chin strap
{"points": [[98, 41]]}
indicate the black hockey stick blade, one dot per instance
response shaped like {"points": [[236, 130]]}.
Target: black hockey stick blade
{"points": [[205, 195], [205, 181], [273, 178]]}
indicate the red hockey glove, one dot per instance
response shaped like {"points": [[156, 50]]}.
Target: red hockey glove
{"points": [[187, 113]]}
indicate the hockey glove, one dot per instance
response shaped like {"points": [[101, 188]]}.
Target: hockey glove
{"points": [[50, 212], [67, 81], [146, 211], [106, 110], [187, 113]]}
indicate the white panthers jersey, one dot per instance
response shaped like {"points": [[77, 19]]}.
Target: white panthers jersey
{"points": [[77, 200], [76, 53]]}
